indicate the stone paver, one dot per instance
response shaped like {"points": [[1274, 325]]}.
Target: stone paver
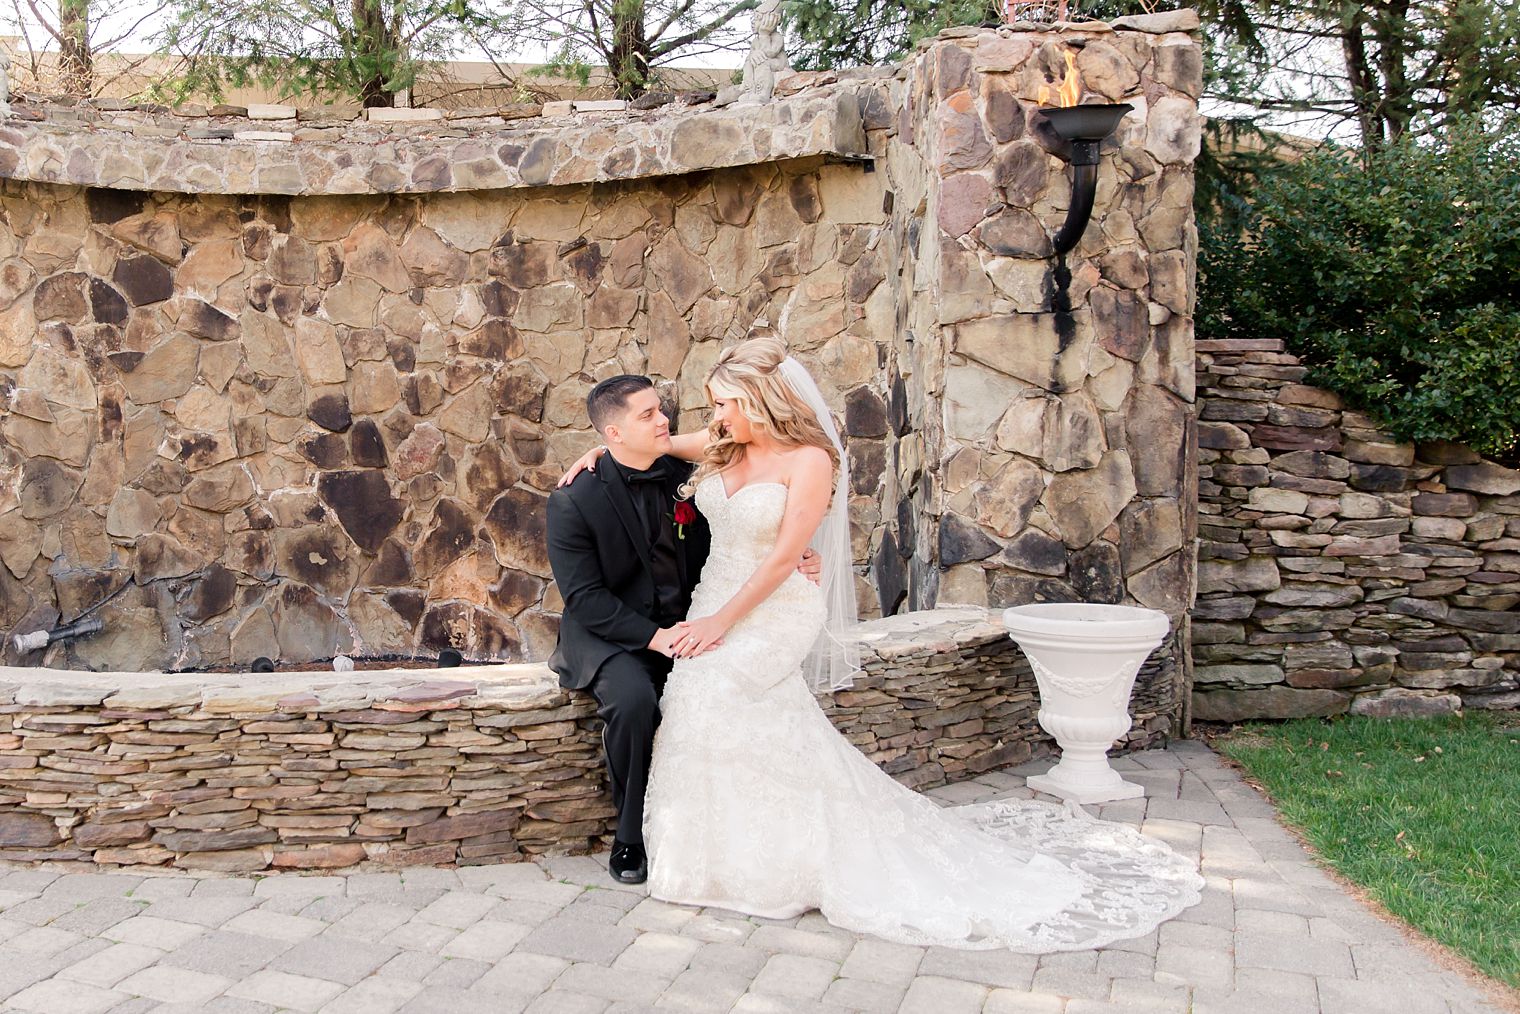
{"points": [[274, 926], [932, 995], [578, 940], [523, 975], [463, 972], [231, 955], [373, 996], [283, 990], [660, 953], [863, 994], [336, 959], [174, 985], [485, 941], [792, 975], [1272, 934], [879, 961], [1015, 1001], [107, 967], [54, 996]]}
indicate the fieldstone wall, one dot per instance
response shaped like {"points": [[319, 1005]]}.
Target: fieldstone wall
{"points": [[460, 766], [1339, 569], [242, 426], [1042, 411]]}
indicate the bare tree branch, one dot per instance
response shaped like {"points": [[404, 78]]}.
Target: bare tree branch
{"points": [[707, 30]]}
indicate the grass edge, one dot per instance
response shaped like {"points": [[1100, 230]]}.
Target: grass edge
{"points": [[1506, 997]]}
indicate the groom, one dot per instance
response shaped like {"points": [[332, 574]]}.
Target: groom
{"points": [[626, 563]]}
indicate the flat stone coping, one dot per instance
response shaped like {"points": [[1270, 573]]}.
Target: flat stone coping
{"points": [[280, 149], [524, 686], [137, 150]]}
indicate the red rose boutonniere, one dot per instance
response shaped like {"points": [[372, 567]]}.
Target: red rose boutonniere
{"points": [[685, 515]]}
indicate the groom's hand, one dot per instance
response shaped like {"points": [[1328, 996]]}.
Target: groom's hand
{"points": [[811, 566], [664, 640]]}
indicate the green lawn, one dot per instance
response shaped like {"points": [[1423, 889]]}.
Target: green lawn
{"points": [[1423, 813]]}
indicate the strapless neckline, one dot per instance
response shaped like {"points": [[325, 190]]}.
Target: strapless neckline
{"points": [[748, 485]]}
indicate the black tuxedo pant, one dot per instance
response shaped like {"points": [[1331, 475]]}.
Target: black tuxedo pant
{"points": [[627, 690]]}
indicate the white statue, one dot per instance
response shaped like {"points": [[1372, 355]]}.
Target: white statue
{"points": [[767, 54]]}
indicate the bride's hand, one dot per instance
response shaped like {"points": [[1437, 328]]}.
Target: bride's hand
{"points": [[585, 463], [699, 636], [664, 640]]}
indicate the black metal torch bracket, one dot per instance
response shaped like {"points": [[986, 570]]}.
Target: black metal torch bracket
{"points": [[1085, 127]]}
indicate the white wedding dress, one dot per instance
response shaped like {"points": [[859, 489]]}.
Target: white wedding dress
{"points": [[757, 804]]}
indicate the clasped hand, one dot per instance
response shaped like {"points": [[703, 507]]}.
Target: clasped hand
{"points": [[690, 638], [699, 635]]}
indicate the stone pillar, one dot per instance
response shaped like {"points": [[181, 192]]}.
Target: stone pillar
{"points": [[1045, 455]]}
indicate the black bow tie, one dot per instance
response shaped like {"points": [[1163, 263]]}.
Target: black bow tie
{"points": [[655, 473]]}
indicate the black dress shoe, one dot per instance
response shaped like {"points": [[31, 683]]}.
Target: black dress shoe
{"points": [[628, 864]]}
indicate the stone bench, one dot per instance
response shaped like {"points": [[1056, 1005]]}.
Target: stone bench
{"points": [[243, 772]]}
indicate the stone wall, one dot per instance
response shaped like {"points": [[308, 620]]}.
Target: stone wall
{"points": [[1339, 569], [279, 385], [1043, 447], [243, 426], [400, 767]]}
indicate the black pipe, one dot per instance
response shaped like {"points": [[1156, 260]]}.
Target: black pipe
{"points": [[42, 638], [79, 628], [1084, 188]]}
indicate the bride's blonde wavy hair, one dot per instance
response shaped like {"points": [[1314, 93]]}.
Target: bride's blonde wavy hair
{"points": [[749, 375]]}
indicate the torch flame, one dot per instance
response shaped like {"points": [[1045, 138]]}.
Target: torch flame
{"points": [[1071, 87]]}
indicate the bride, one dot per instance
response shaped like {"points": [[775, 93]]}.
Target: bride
{"points": [[757, 804]]}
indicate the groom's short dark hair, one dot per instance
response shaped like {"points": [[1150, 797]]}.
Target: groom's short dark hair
{"points": [[610, 397]]}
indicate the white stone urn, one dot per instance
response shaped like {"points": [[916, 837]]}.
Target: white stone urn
{"points": [[1085, 657]]}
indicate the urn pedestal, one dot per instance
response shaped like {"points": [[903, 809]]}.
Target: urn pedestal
{"points": [[1085, 657]]}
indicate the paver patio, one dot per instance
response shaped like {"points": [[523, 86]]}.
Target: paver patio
{"points": [[1273, 934]]}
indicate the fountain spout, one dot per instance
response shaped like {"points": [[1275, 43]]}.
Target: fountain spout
{"points": [[42, 638]]}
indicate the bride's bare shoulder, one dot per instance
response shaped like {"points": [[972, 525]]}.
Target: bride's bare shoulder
{"points": [[808, 461]]}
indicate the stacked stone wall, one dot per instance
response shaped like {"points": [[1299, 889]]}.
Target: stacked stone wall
{"points": [[1339, 569], [401, 768]]}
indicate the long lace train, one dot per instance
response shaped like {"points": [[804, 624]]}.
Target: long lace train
{"points": [[756, 803]]}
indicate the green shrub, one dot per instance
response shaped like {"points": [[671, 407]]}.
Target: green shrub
{"points": [[1394, 274]]}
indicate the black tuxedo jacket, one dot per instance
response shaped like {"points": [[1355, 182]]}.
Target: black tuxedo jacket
{"points": [[600, 557]]}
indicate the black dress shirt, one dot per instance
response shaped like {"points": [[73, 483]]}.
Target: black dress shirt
{"points": [[648, 492]]}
